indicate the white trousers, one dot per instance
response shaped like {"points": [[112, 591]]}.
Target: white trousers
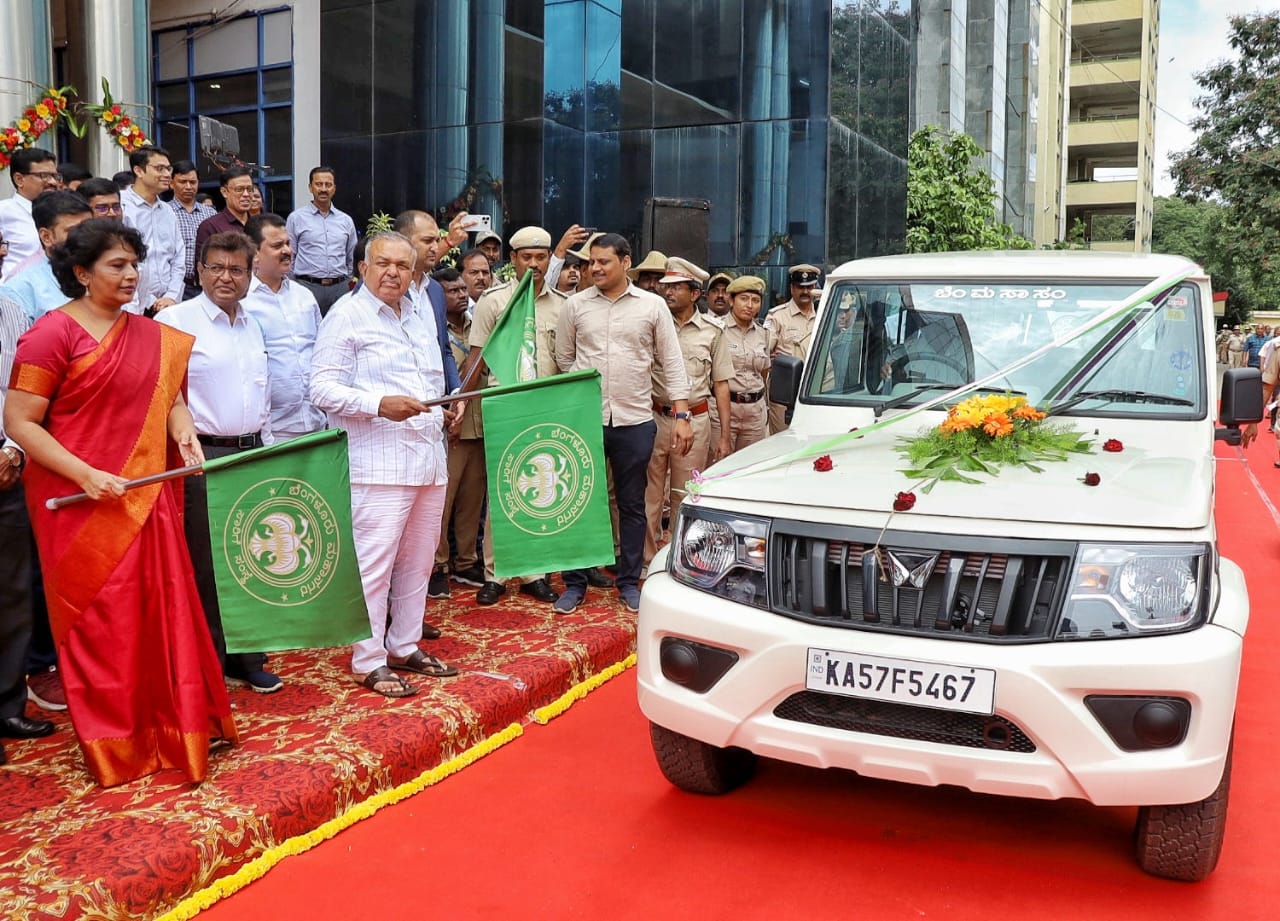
{"points": [[396, 529]]}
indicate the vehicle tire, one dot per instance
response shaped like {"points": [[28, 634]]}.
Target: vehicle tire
{"points": [[698, 767], [1183, 842]]}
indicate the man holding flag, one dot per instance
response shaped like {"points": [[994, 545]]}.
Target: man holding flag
{"points": [[377, 364], [530, 354]]}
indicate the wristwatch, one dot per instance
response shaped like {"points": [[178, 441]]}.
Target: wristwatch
{"points": [[684, 415], [16, 457]]}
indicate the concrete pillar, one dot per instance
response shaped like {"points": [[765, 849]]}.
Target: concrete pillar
{"points": [[26, 63], [116, 46]]}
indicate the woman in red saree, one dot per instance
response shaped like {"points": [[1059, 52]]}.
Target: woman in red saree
{"points": [[96, 399]]}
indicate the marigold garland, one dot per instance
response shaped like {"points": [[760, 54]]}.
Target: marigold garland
{"points": [[56, 105], [984, 433]]}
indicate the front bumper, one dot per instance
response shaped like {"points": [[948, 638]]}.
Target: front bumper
{"points": [[1041, 688]]}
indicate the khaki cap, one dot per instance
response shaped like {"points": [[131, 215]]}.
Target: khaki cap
{"points": [[682, 270], [752, 283], [804, 275], [484, 235], [654, 262], [719, 277], [530, 238], [585, 252]]}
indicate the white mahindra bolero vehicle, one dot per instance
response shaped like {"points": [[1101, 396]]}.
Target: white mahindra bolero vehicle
{"points": [[1029, 635]]}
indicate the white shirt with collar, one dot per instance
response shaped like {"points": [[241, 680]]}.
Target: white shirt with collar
{"points": [[228, 381], [288, 320], [163, 269], [19, 231], [365, 352]]}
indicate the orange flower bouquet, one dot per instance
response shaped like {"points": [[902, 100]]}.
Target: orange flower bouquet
{"points": [[983, 434]]}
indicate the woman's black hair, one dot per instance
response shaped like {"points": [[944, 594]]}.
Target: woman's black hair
{"points": [[85, 245]]}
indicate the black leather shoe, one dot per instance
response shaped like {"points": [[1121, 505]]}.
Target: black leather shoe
{"points": [[540, 590], [429, 632], [490, 593], [3, 759], [19, 727], [597, 579]]}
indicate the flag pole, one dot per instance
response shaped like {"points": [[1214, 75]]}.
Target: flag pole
{"points": [[55, 504]]}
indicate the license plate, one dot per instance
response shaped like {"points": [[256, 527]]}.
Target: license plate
{"points": [[904, 681]]}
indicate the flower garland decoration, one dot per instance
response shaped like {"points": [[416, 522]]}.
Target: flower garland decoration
{"points": [[119, 127], [983, 434], [39, 117]]}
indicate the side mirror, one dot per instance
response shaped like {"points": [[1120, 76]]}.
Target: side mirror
{"points": [[1241, 402], [784, 380]]}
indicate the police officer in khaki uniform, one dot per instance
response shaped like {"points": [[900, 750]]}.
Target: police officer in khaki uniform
{"points": [[709, 367], [647, 275], [464, 496], [717, 304], [751, 348], [530, 251], [792, 322]]}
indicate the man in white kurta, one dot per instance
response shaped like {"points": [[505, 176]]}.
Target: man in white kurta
{"points": [[377, 361]]}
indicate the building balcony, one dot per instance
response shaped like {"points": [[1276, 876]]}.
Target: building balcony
{"points": [[1096, 12], [1103, 133], [1105, 72], [1120, 194]]}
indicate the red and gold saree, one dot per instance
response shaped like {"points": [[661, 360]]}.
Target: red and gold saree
{"points": [[144, 687]]}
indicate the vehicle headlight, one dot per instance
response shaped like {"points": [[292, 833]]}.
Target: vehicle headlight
{"points": [[1135, 590], [722, 553]]}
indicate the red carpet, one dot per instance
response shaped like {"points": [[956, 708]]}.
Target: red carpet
{"points": [[69, 849], [574, 821]]}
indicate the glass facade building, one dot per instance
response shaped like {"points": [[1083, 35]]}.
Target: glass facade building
{"points": [[791, 117]]}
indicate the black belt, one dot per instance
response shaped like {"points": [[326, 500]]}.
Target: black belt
{"points": [[252, 440], [191, 281], [744, 397], [325, 282]]}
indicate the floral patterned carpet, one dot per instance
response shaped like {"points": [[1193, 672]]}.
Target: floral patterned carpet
{"points": [[308, 754]]}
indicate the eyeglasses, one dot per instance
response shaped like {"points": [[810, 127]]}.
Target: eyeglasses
{"points": [[46, 177], [233, 271], [114, 208], [162, 169]]}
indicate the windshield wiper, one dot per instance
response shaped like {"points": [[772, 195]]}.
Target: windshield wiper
{"points": [[1120, 396], [910, 395]]}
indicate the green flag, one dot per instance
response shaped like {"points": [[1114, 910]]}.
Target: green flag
{"points": [[283, 556], [544, 449], [511, 351]]}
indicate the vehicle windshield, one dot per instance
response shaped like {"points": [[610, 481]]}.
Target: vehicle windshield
{"points": [[890, 344]]}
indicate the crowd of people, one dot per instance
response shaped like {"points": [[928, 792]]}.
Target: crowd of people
{"points": [[142, 330]]}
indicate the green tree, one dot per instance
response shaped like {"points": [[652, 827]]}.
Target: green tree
{"points": [[1235, 162], [950, 201], [1195, 229]]}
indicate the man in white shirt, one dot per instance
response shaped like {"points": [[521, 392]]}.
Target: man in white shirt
{"points": [[228, 388], [160, 283], [377, 362], [288, 316], [32, 171]]}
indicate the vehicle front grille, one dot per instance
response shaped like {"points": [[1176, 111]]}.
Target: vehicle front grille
{"points": [[959, 587], [904, 721]]}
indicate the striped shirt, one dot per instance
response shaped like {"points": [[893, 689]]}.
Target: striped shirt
{"points": [[13, 323], [365, 352], [188, 223], [323, 244], [162, 269]]}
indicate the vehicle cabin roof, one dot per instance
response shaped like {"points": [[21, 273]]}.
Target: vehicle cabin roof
{"points": [[1035, 264]]}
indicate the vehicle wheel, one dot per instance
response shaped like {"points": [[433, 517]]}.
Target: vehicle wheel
{"points": [[1183, 842], [698, 767]]}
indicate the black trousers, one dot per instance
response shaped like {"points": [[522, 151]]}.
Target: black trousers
{"points": [[628, 449], [196, 526], [326, 295], [15, 601]]}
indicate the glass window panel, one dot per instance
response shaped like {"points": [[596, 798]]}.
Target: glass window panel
{"points": [[408, 80], [171, 54], [698, 62], [346, 79], [604, 65], [638, 37], [882, 201], [525, 16], [784, 59], [277, 196], [522, 172], [563, 157], [279, 152], [246, 123], [176, 137], [228, 46], [523, 77], [226, 92], [277, 38], [172, 100], [564, 63], [783, 192], [702, 162], [277, 85], [637, 101], [618, 182]]}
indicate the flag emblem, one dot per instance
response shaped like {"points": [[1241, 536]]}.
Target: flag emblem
{"points": [[281, 542], [549, 473]]}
